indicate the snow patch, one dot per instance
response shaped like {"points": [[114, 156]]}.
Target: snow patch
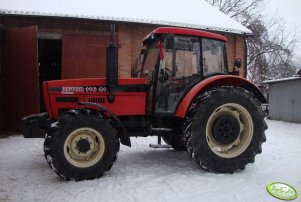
{"points": [[145, 174]]}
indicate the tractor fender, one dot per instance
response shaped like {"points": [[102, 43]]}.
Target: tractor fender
{"points": [[214, 81], [122, 133]]}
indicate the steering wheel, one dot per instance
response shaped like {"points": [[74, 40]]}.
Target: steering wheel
{"points": [[164, 75]]}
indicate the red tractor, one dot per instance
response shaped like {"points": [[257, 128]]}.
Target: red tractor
{"points": [[185, 93]]}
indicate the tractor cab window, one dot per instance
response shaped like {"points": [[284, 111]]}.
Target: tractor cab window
{"points": [[213, 56], [182, 56], [149, 61], [179, 69], [187, 56]]}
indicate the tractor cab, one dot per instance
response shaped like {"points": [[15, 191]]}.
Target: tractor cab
{"points": [[175, 59]]}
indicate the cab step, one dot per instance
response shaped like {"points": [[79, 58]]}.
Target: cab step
{"points": [[159, 145]]}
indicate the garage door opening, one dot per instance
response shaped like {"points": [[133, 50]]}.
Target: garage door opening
{"points": [[50, 60]]}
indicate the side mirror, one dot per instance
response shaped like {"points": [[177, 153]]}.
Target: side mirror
{"points": [[163, 76], [237, 63], [141, 56]]}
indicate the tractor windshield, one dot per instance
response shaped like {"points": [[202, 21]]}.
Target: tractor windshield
{"points": [[149, 60]]}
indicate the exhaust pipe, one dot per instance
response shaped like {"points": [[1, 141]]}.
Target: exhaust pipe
{"points": [[112, 65]]}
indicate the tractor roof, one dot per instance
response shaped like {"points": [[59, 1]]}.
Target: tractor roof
{"points": [[183, 31]]}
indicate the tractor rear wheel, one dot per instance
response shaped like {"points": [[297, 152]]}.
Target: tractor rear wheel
{"points": [[175, 139], [175, 142], [81, 145], [226, 130]]}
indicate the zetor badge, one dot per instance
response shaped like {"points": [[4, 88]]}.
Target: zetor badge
{"points": [[88, 89]]}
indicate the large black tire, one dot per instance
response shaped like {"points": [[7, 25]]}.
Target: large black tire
{"points": [[81, 145], [175, 140], [225, 129]]}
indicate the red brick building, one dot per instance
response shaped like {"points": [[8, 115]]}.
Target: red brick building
{"points": [[37, 46]]}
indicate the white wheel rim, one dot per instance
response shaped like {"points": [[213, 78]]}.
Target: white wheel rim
{"points": [[241, 143], [84, 159]]}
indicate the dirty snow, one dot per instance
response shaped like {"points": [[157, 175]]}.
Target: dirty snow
{"points": [[144, 174]]}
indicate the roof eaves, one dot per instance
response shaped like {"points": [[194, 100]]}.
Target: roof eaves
{"points": [[135, 20], [282, 80]]}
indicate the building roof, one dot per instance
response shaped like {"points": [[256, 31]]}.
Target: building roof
{"points": [[190, 13], [282, 80]]}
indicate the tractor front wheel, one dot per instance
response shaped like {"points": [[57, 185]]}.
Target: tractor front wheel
{"points": [[81, 145]]}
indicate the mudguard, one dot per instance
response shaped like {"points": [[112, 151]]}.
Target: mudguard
{"points": [[214, 81], [123, 135]]}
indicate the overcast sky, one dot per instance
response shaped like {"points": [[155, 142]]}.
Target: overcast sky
{"points": [[290, 10]]}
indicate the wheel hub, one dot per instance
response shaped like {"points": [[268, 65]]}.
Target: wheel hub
{"points": [[229, 130], [226, 129], [83, 145]]}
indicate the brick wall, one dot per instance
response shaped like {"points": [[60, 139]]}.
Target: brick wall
{"points": [[124, 50], [236, 48]]}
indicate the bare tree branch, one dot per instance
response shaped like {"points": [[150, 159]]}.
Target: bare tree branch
{"points": [[270, 50]]}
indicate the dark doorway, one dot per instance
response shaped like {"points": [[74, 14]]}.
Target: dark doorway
{"points": [[50, 57]]}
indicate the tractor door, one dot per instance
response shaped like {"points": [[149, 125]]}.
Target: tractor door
{"points": [[150, 60], [179, 70]]}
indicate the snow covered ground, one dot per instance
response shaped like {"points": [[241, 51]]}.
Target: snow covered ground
{"points": [[144, 174]]}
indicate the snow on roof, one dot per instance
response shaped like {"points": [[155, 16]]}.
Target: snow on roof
{"points": [[282, 80], [189, 13]]}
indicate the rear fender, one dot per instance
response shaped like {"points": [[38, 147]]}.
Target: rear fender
{"points": [[122, 133], [214, 81]]}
